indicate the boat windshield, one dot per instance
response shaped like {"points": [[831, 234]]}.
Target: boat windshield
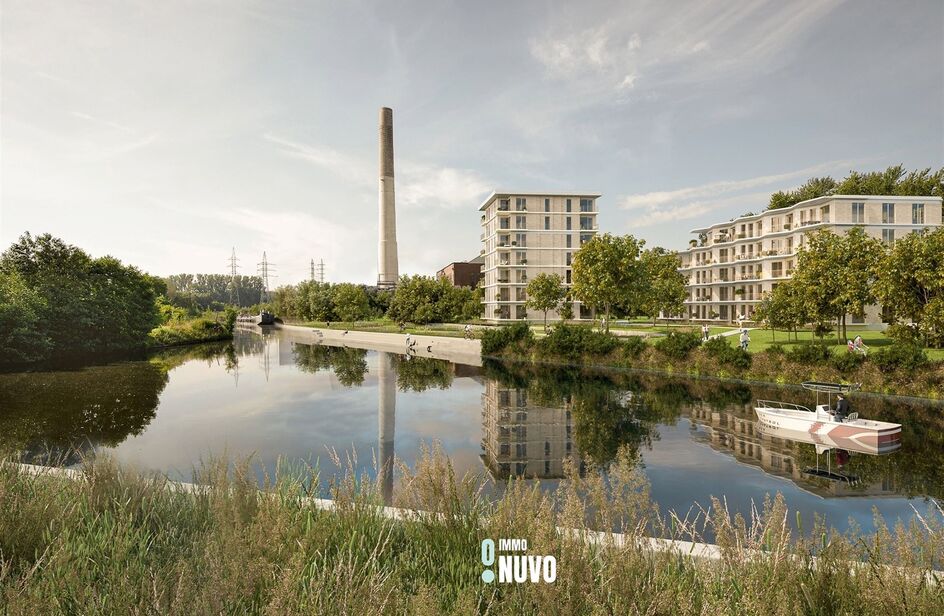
{"points": [[830, 388], [783, 406]]}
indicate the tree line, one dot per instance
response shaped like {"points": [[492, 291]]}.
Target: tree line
{"points": [[213, 291], [839, 275], [416, 299], [894, 180]]}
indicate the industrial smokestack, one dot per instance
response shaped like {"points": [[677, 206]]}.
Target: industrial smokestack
{"points": [[388, 269]]}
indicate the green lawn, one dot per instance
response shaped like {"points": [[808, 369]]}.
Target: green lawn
{"points": [[761, 339]]}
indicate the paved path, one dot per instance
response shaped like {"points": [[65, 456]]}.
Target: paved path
{"points": [[458, 350]]}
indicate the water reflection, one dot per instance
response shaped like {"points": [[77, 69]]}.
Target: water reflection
{"points": [[694, 438]]}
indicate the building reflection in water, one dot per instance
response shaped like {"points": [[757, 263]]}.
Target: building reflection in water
{"points": [[738, 433], [524, 440]]}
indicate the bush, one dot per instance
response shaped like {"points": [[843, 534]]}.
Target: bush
{"points": [[814, 353], [899, 357], [574, 341], [634, 346], [678, 345], [497, 339], [727, 355], [844, 361], [776, 349], [903, 333]]}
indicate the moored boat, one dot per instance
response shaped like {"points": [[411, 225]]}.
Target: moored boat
{"points": [[852, 433]]}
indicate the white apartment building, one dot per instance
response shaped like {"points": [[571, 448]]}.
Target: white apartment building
{"points": [[525, 234], [733, 264]]}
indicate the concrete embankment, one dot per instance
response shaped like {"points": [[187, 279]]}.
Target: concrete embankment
{"points": [[458, 350]]}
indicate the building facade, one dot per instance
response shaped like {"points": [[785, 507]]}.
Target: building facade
{"points": [[732, 265], [526, 234], [463, 273]]}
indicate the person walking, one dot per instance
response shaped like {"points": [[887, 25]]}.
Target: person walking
{"points": [[745, 339], [704, 332]]}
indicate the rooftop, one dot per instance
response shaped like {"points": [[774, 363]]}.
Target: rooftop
{"points": [[545, 193]]}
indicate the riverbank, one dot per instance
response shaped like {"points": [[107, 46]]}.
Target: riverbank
{"points": [[118, 542], [896, 369], [454, 349]]}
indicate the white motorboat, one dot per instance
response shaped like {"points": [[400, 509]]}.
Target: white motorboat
{"points": [[852, 433], [824, 442]]}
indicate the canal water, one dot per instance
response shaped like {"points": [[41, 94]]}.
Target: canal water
{"points": [[273, 398]]}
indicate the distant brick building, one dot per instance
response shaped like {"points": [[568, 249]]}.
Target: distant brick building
{"points": [[462, 273]]}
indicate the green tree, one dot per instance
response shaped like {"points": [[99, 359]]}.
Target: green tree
{"points": [[545, 292], [608, 274], [814, 187], [21, 308], [911, 282], [665, 284], [783, 308], [860, 258], [350, 302]]}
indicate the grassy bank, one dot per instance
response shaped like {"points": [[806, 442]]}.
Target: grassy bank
{"points": [[115, 542], [888, 368], [206, 328], [386, 326]]}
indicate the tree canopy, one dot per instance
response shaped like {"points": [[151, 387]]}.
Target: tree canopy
{"points": [[545, 293], [894, 180], [608, 274]]}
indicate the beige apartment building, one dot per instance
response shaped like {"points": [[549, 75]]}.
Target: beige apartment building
{"points": [[733, 264], [525, 234]]}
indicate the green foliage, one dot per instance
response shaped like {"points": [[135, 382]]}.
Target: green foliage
{"points": [[575, 341], [812, 354], [201, 329], [545, 292], [74, 303], [200, 292], [424, 299], [665, 284], [678, 345], [608, 274], [892, 181], [21, 308], [814, 187], [845, 362], [775, 349], [351, 302], [719, 349], [497, 339], [566, 310], [903, 333], [633, 346], [911, 283], [906, 357]]}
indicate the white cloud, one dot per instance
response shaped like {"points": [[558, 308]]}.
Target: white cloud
{"points": [[657, 207]]}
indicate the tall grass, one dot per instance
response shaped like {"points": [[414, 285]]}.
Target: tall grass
{"points": [[116, 542]]}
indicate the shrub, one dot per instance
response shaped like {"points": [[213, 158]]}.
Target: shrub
{"points": [[634, 346], [678, 345], [844, 361], [573, 341], [899, 357], [776, 349], [727, 355], [903, 333], [497, 339], [813, 353]]}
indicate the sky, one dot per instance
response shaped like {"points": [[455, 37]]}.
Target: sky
{"points": [[167, 133]]}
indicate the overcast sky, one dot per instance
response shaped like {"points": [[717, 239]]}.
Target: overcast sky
{"points": [[167, 132]]}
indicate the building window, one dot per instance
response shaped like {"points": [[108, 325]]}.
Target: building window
{"points": [[567, 279], [888, 236], [917, 213], [521, 204], [586, 205], [547, 205], [521, 222], [568, 240], [521, 239], [586, 223], [568, 224], [858, 213], [585, 237], [888, 213], [569, 257], [568, 204], [547, 223], [503, 205]]}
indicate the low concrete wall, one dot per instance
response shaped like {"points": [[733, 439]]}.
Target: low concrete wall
{"points": [[457, 350]]}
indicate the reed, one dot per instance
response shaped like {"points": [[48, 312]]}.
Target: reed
{"points": [[116, 541]]}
